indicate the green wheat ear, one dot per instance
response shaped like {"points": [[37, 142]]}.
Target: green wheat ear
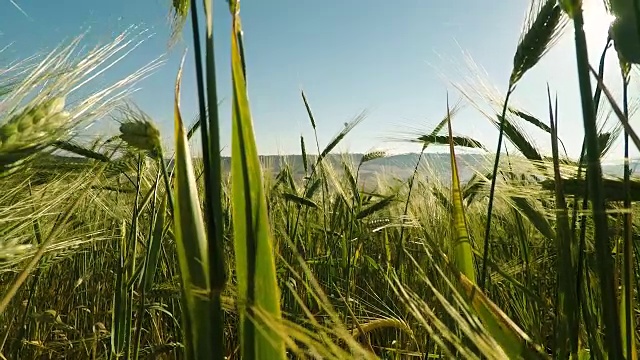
{"points": [[305, 163], [372, 155], [28, 132], [32, 125], [624, 32], [142, 135], [537, 38]]}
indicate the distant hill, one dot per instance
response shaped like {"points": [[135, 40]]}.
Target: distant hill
{"points": [[399, 166], [617, 168]]}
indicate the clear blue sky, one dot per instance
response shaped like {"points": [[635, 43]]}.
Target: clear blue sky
{"points": [[385, 57]]}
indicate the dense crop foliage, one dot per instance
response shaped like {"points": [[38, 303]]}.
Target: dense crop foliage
{"points": [[126, 248]]}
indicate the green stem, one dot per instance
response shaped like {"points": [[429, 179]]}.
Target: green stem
{"points": [[628, 271], [487, 231], [167, 182], [594, 175], [213, 175], [581, 295], [400, 249], [596, 102], [210, 134]]}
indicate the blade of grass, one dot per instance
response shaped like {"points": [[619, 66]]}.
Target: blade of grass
{"points": [[627, 316], [566, 325], [255, 264], [314, 168], [594, 175], [515, 343], [210, 136], [513, 340], [150, 264], [119, 309], [191, 246], [596, 101], [463, 255]]}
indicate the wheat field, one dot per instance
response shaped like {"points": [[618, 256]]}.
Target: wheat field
{"points": [[127, 248]]}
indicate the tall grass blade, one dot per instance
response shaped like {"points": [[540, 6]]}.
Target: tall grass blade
{"points": [[150, 265], [255, 265], [566, 325], [191, 246], [503, 333], [463, 255], [314, 168], [119, 309], [609, 314], [513, 340], [153, 251], [535, 122], [596, 101], [627, 308], [210, 136]]}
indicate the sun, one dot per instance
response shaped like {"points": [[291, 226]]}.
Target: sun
{"points": [[596, 20]]}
